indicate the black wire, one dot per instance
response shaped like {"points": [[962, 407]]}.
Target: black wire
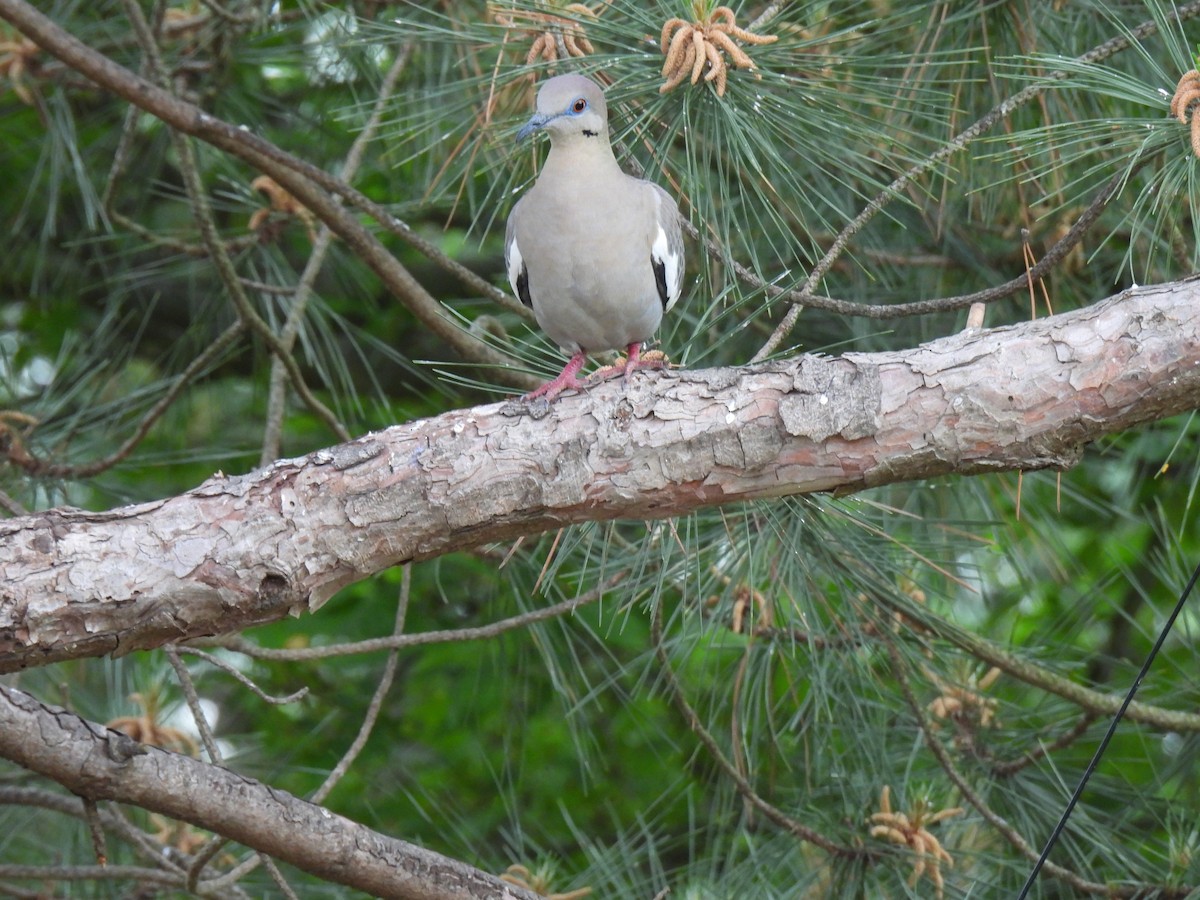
{"points": [[1112, 728]]}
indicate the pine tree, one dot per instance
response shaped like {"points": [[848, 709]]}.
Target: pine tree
{"points": [[840, 604]]}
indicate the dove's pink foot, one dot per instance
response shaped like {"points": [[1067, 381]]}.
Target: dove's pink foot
{"points": [[566, 380]]}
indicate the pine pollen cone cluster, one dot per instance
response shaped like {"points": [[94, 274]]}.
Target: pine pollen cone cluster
{"points": [[911, 830], [17, 58], [690, 46], [547, 28], [283, 203], [1187, 93]]}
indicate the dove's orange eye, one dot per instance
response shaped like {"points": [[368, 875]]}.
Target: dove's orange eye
{"points": [[579, 105]]}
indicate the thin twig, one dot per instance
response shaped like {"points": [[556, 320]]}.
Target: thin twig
{"points": [[91, 815], [1005, 768], [1092, 701], [204, 856], [276, 395], [12, 506], [216, 842], [1054, 255], [214, 755], [110, 818], [190, 171], [193, 702], [743, 787], [396, 641], [243, 679], [381, 690], [194, 369], [1095, 702], [277, 877], [90, 873], [233, 876]]}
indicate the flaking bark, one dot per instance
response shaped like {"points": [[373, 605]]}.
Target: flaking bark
{"points": [[242, 550]]}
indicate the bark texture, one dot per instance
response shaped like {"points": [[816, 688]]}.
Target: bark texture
{"points": [[247, 549], [101, 764]]}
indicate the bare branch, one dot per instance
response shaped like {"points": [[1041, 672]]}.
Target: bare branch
{"points": [[273, 431], [424, 638], [777, 816], [96, 762]]}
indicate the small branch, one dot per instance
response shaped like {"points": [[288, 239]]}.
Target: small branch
{"points": [[244, 680], [805, 296], [202, 212], [90, 873], [1052, 258], [69, 805], [309, 185], [209, 851], [743, 787], [451, 636], [11, 506], [381, 690], [1007, 768], [277, 877], [1010, 834], [195, 368], [193, 703], [304, 287], [91, 815], [1094, 703]]}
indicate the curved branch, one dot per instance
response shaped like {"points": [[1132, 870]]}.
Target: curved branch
{"points": [[243, 550], [313, 187], [96, 762], [1005, 828], [804, 296]]}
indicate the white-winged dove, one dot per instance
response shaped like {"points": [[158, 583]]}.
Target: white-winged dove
{"points": [[597, 254]]}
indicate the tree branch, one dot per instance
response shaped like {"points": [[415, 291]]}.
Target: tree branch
{"points": [[96, 762], [308, 184], [244, 550]]}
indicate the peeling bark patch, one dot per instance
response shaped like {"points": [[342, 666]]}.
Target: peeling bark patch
{"points": [[389, 503], [469, 506], [832, 397], [347, 456], [761, 445]]}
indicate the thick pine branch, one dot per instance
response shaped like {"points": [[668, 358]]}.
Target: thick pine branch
{"points": [[239, 551], [98, 763]]}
